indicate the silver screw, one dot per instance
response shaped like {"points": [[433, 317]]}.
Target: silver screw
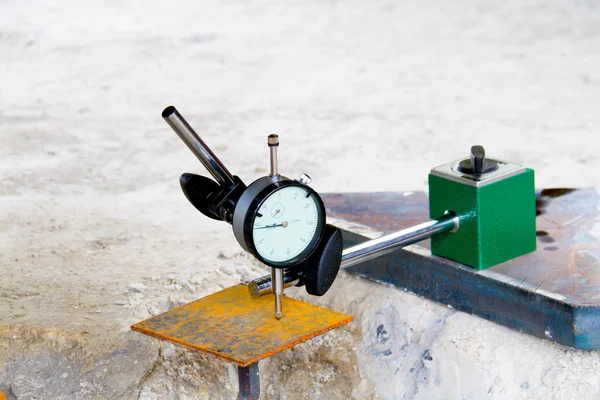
{"points": [[305, 179]]}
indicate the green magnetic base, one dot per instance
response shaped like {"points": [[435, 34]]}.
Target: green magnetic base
{"points": [[497, 219]]}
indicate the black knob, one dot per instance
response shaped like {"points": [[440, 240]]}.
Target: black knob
{"points": [[323, 265], [477, 164]]}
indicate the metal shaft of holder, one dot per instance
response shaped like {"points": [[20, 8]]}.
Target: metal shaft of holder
{"points": [[377, 247], [197, 146], [370, 249]]}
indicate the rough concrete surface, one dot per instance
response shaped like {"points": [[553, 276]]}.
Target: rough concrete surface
{"points": [[95, 233]]}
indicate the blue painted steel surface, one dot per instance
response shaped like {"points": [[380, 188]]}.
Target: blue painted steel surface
{"points": [[552, 293]]}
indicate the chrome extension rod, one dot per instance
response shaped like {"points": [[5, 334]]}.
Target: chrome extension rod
{"points": [[197, 146], [370, 249]]}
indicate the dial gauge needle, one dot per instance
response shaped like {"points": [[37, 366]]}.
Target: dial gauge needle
{"points": [[283, 224]]}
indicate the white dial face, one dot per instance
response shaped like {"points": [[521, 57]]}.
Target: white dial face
{"points": [[285, 224]]}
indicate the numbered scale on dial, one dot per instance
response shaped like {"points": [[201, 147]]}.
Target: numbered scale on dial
{"points": [[280, 221], [286, 225], [282, 224]]}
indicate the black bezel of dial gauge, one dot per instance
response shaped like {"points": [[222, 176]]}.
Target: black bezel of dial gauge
{"points": [[257, 203]]}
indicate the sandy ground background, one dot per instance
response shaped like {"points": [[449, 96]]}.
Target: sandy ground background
{"points": [[366, 96]]}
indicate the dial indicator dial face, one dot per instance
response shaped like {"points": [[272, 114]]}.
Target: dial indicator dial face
{"points": [[286, 224]]}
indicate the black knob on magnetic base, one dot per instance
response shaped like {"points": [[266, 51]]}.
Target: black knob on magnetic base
{"points": [[477, 159], [477, 164], [323, 265]]}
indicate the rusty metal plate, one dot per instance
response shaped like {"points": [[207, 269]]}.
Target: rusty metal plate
{"points": [[553, 293], [231, 325]]}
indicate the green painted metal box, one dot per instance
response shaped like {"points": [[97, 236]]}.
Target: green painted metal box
{"points": [[497, 214]]}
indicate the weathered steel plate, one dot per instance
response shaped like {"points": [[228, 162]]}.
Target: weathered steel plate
{"points": [[553, 293], [235, 327]]}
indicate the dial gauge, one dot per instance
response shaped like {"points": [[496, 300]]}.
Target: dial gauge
{"points": [[286, 224], [279, 221]]}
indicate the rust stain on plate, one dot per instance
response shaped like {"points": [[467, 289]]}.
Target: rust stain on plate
{"points": [[235, 327]]}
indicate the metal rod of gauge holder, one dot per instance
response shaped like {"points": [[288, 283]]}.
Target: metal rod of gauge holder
{"points": [[276, 273], [197, 146], [371, 249]]}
